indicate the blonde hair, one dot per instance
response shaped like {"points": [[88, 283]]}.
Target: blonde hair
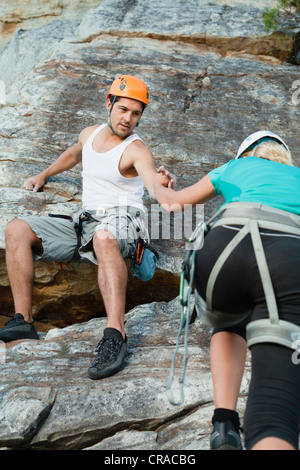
{"points": [[274, 151]]}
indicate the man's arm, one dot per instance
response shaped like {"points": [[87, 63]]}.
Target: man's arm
{"points": [[67, 160], [144, 164]]}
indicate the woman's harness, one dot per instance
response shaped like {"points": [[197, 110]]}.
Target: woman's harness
{"points": [[251, 217]]}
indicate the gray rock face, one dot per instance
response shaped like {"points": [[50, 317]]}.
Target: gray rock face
{"points": [[24, 51], [48, 402], [35, 13], [214, 77]]}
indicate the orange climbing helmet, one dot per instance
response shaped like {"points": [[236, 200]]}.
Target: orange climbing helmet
{"points": [[127, 86]]}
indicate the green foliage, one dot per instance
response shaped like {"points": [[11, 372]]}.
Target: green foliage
{"points": [[285, 8]]}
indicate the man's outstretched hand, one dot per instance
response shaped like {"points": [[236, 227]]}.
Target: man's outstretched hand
{"points": [[169, 180]]}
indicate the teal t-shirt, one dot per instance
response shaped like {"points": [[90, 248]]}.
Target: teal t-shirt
{"points": [[253, 179]]}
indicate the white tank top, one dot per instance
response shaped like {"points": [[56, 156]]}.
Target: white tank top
{"points": [[103, 184]]}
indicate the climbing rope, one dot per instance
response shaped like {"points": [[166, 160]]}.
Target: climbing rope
{"points": [[186, 286]]}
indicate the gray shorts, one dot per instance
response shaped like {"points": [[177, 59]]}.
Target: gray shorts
{"points": [[60, 240]]}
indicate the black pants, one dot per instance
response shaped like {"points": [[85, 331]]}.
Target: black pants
{"points": [[273, 407]]}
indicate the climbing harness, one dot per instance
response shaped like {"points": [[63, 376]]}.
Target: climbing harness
{"points": [[251, 217], [134, 219]]}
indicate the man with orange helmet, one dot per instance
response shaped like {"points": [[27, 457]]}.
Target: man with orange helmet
{"points": [[127, 87], [116, 166]]}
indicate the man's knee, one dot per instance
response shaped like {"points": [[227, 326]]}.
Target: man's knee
{"points": [[17, 231], [104, 241]]}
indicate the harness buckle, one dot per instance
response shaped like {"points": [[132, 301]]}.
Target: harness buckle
{"points": [[101, 212]]}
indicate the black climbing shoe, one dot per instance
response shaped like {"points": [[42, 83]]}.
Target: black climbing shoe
{"points": [[111, 351], [225, 437], [17, 328]]}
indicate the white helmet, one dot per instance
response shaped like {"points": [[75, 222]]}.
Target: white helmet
{"points": [[255, 138]]}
